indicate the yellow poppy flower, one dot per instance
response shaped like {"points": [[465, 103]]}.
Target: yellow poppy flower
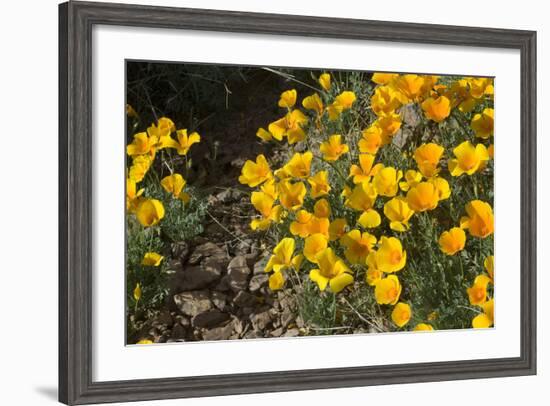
{"points": [[383, 78], [144, 341], [491, 151], [255, 173], [321, 208], [384, 101], [485, 319], [132, 196], [372, 139], [342, 102], [313, 246], [337, 229], [412, 178], [162, 131], [140, 167], [288, 99], [373, 274], [489, 264], [459, 94], [427, 158], [137, 292], [401, 314], [174, 184], [289, 126], [442, 187], [424, 196], [319, 225], [477, 293], [333, 148], [142, 144], [365, 170], [186, 141], [358, 245], [480, 219], [264, 135], [324, 81], [362, 197], [276, 281], [389, 125], [301, 226], [437, 109], [409, 87], [399, 213], [469, 159], [479, 86], [270, 188], [292, 195], [430, 83], [149, 212], [390, 256], [332, 271], [152, 259], [386, 181], [319, 184], [452, 241], [387, 290], [314, 103], [299, 165], [423, 327], [369, 219], [483, 123], [282, 257], [263, 202]]}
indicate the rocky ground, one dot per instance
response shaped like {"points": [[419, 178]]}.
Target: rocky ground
{"points": [[217, 284], [216, 296]]}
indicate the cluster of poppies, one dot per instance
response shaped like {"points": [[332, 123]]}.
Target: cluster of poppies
{"points": [[144, 148], [344, 209]]}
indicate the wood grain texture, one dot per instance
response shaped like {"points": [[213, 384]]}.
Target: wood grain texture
{"points": [[76, 20]]}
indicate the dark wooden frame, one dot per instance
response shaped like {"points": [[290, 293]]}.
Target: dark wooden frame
{"points": [[76, 20]]}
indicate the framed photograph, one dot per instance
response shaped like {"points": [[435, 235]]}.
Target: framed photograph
{"points": [[261, 202]]}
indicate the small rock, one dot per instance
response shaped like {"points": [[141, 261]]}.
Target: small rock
{"points": [[174, 265], [238, 326], [237, 273], [259, 267], [257, 281], [228, 195], [195, 277], [244, 247], [253, 334], [277, 332], [210, 318], [260, 320], [410, 115], [164, 319], [178, 332], [246, 311], [223, 285], [184, 321], [286, 318], [219, 299], [207, 250], [293, 332], [218, 333], [193, 303], [244, 299], [180, 250]]}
